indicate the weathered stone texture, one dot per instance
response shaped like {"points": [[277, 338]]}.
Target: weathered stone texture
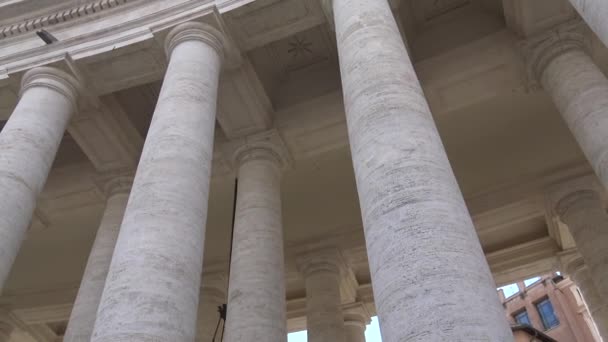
{"points": [[256, 295], [584, 214], [82, 319], [430, 278], [580, 91], [28, 145], [324, 319], [152, 289]]}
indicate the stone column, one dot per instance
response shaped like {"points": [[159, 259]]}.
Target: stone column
{"points": [[578, 88], [152, 288], [356, 319], [584, 214], [213, 294], [598, 309], [324, 319], [28, 145], [423, 250], [256, 291], [594, 12], [82, 319]]}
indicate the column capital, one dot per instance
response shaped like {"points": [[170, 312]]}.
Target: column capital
{"points": [[114, 183], [327, 259], [52, 78], [560, 197], [195, 31], [577, 200], [266, 145], [356, 314], [541, 49]]}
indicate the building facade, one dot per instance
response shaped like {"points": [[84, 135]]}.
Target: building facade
{"points": [[392, 157], [552, 305]]}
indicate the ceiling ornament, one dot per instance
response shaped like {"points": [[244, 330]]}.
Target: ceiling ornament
{"points": [[299, 47]]}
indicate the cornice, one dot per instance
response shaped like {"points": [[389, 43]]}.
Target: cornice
{"points": [[124, 32], [58, 17]]}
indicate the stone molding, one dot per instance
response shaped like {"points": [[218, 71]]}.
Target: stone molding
{"points": [[574, 200], [115, 183], [356, 314], [559, 197], [268, 145], [571, 262], [195, 31], [543, 48], [322, 260], [58, 17], [55, 79]]}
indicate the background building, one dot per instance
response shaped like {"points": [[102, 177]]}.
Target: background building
{"points": [[551, 304]]}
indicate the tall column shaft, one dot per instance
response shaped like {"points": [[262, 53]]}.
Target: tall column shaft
{"points": [[594, 12], [256, 291], [584, 214], [596, 305], [324, 319], [579, 90], [82, 319], [152, 288], [423, 250], [28, 145]]}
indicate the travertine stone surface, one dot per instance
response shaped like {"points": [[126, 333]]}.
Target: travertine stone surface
{"points": [[256, 292], [594, 12], [424, 254], [28, 145], [82, 318], [596, 305], [579, 90], [153, 284], [324, 319], [584, 214]]}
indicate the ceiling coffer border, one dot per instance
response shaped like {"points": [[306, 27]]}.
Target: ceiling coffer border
{"points": [[58, 17]]}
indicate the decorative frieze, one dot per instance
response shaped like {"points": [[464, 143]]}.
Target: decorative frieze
{"points": [[58, 17]]}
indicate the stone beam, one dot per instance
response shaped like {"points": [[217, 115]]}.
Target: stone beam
{"points": [[524, 260], [243, 106]]}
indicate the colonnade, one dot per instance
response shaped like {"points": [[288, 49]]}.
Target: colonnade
{"points": [[142, 280]]}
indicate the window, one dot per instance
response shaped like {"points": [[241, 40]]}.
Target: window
{"points": [[522, 317], [547, 314]]}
